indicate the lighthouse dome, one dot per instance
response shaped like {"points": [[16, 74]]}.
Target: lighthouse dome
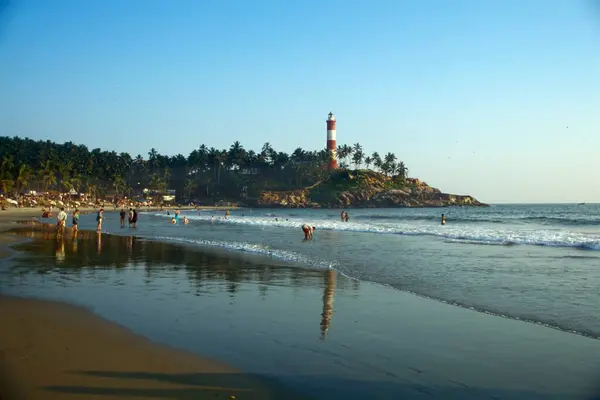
{"points": [[331, 117]]}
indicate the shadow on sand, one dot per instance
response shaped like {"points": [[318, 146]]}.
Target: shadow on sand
{"points": [[210, 386]]}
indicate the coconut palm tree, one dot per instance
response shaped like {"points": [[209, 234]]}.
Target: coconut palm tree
{"points": [[368, 161], [24, 176], [358, 155]]}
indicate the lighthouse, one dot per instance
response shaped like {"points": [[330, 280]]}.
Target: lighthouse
{"points": [[331, 143]]}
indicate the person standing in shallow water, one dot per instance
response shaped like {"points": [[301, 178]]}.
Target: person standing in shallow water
{"points": [[99, 219], [123, 214], [443, 219], [134, 218], [308, 231], [61, 220], [75, 222]]}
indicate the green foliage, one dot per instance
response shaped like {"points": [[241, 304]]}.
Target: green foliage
{"points": [[206, 174]]}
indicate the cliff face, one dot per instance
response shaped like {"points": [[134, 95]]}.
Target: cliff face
{"points": [[366, 189]]}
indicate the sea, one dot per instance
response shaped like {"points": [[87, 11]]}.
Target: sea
{"points": [[535, 265], [539, 263]]}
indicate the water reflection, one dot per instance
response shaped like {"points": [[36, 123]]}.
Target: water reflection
{"points": [[206, 271], [60, 249], [328, 293]]}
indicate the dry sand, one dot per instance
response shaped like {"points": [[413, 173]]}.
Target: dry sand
{"points": [[51, 350]]}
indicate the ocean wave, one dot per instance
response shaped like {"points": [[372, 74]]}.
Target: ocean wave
{"points": [[472, 234], [490, 219], [249, 248]]}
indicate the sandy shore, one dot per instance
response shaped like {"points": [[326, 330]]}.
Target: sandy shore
{"points": [[50, 350]]}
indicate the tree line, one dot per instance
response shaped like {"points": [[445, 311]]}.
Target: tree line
{"points": [[205, 174]]}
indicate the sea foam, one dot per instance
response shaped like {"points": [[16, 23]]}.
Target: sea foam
{"points": [[467, 233]]}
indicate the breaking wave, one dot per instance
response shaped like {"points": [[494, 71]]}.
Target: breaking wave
{"points": [[464, 233]]}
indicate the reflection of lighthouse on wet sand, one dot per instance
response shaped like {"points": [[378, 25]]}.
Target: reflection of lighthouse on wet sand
{"points": [[328, 293]]}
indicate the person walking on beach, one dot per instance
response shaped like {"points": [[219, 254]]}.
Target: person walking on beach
{"points": [[61, 219], [75, 221], [99, 219], [130, 217], [308, 231], [122, 215]]}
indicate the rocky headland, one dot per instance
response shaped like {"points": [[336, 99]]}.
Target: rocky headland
{"points": [[363, 189]]}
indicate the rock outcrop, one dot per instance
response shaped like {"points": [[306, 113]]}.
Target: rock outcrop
{"points": [[365, 189]]}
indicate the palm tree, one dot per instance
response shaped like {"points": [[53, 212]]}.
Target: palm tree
{"points": [[24, 176], [389, 164], [401, 170], [189, 187], [6, 166], [92, 190], [358, 156], [236, 155], [377, 160], [368, 161], [47, 174], [119, 184]]}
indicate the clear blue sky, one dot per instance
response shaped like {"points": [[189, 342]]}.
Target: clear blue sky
{"points": [[475, 96]]}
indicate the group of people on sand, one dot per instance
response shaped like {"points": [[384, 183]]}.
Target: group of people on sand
{"points": [[132, 217]]}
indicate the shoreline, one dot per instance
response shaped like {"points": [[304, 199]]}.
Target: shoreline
{"points": [[45, 226], [50, 348]]}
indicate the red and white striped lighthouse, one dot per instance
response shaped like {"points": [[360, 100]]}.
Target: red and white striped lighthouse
{"points": [[331, 143]]}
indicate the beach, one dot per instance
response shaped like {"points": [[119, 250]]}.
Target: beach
{"points": [[55, 351], [51, 350], [279, 319]]}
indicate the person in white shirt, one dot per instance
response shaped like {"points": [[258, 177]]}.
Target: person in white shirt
{"points": [[61, 220]]}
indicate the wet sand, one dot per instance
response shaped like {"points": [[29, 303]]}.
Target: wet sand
{"points": [[51, 350], [56, 351]]}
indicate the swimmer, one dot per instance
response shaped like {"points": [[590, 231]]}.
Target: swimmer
{"points": [[186, 220], [308, 231], [173, 221], [443, 219]]}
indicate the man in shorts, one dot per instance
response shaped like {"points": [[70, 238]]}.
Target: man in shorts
{"points": [[61, 219]]}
